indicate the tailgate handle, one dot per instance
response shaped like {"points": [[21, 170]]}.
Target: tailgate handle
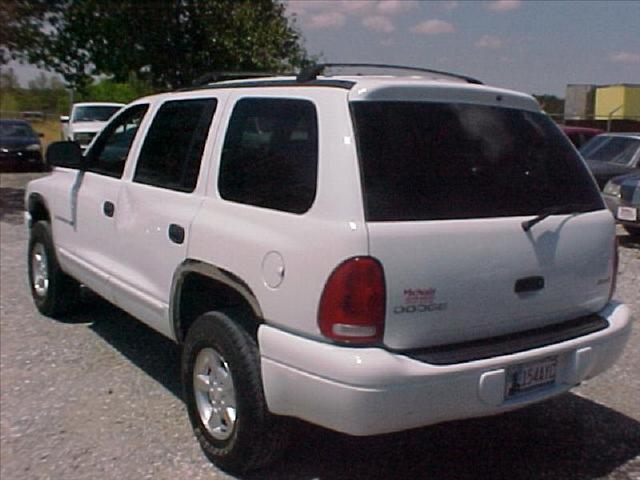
{"points": [[529, 284]]}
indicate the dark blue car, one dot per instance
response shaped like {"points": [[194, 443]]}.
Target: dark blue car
{"points": [[20, 147]]}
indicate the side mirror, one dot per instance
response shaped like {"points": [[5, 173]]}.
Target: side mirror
{"points": [[65, 154], [64, 119]]}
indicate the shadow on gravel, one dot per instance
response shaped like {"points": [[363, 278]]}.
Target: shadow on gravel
{"points": [[11, 205], [629, 241], [153, 353], [568, 437]]}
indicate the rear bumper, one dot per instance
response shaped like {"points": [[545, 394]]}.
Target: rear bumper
{"points": [[368, 391], [613, 203]]}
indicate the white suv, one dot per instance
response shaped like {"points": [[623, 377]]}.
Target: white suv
{"points": [[86, 120], [366, 253]]}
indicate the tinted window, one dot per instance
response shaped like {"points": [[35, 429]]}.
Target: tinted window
{"points": [[16, 129], [172, 151], [110, 150], [94, 114], [270, 155], [424, 161]]}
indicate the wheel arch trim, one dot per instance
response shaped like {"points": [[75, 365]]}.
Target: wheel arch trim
{"points": [[212, 272], [32, 200]]}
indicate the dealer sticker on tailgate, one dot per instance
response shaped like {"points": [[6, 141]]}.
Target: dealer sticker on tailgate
{"points": [[526, 377], [627, 213]]}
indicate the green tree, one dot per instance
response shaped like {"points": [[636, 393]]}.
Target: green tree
{"points": [[108, 90], [551, 104], [168, 43], [9, 79]]}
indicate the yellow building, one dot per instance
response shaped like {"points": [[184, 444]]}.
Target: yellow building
{"points": [[618, 102]]}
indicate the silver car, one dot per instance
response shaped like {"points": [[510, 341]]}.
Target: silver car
{"points": [[622, 195]]}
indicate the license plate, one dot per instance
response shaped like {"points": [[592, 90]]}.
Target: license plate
{"points": [[628, 213], [526, 377]]}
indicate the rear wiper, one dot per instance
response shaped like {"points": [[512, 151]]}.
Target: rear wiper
{"points": [[557, 210]]}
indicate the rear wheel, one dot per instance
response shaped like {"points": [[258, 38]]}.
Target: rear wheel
{"points": [[53, 291], [224, 396]]}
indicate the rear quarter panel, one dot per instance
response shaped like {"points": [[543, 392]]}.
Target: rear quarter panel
{"points": [[250, 241]]}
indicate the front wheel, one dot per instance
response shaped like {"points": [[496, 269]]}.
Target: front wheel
{"points": [[53, 291], [224, 396]]}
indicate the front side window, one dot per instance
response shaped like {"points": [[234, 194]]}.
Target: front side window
{"points": [[440, 161], [172, 150], [108, 154], [270, 154]]}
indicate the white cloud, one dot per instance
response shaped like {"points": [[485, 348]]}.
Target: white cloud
{"points": [[391, 7], [503, 5], [488, 41], [326, 20], [432, 27], [448, 5], [379, 23], [624, 57], [351, 7]]}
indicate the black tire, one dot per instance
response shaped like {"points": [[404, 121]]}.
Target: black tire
{"points": [[62, 291], [633, 231], [257, 437]]}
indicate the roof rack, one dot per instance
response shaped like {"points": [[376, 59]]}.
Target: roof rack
{"points": [[213, 77], [311, 73]]}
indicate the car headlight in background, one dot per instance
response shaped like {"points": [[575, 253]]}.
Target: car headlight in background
{"points": [[612, 189], [34, 147]]}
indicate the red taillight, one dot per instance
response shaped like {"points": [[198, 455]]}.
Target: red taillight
{"points": [[614, 274], [352, 305]]}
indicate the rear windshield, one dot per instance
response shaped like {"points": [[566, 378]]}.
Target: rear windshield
{"points": [[436, 161]]}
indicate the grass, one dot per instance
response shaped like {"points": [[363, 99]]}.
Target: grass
{"points": [[51, 130]]}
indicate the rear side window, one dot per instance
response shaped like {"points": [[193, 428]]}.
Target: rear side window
{"points": [[270, 154], [436, 161], [172, 151]]}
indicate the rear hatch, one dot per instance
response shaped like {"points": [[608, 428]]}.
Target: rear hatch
{"points": [[447, 187]]}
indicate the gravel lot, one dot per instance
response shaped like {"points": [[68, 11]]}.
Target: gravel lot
{"points": [[97, 395]]}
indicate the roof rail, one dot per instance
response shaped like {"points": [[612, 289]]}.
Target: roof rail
{"points": [[213, 77], [311, 73]]}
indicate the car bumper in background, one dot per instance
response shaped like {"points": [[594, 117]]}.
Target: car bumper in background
{"points": [[368, 391], [20, 161], [614, 203]]}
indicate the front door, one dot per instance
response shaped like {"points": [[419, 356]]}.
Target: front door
{"points": [[93, 199]]}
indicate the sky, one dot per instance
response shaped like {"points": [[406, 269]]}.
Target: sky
{"points": [[533, 46], [528, 45]]}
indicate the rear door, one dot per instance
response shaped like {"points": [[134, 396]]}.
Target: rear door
{"points": [[156, 207], [446, 189]]}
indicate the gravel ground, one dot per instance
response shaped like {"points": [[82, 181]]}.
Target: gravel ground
{"points": [[97, 396]]}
